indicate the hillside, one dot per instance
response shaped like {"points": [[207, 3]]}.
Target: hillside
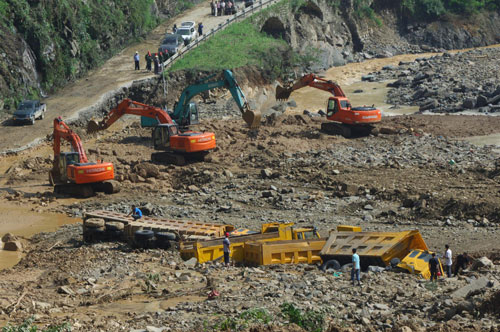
{"points": [[45, 44]]}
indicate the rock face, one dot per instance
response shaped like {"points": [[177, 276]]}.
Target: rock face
{"points": [[336, 35]]}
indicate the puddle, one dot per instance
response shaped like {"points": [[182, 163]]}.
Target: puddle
{"points": [[493, 139], [20, 221]]}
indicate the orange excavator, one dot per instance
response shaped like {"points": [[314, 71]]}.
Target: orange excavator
{"points": [[176, 147], [344, 119], [72, 173]]}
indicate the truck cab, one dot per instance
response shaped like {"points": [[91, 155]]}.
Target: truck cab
{"points": [[305, 233]]}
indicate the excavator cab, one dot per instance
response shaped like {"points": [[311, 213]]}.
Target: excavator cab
{"points": [[66, 159], [162, 134], [192, 114]]}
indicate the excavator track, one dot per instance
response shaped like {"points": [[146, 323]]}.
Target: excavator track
{"points": [[345, 130], [333, 128], [178, 159], [87, 190]]}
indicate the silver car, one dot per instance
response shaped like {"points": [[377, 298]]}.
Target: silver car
{"points": [[171, 43]]}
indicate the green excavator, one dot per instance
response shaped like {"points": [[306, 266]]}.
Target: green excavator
{"points": [[185, 111]]}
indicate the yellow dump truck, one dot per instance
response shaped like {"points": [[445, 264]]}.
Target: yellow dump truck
{"points": [[374, 248], [211, 250], [283, 252], [417, 262]]}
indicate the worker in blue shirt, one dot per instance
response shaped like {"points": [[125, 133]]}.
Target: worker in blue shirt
{"points": [[355, 267], [136, 213]]}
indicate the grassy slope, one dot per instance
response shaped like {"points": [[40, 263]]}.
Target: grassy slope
{"points": [[238, 45]]}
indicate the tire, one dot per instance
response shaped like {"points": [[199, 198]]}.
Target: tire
{"points": [[166, 236], [163, 240], [32, 121], [114, 226], [114, 235], [395, 261], [42, 116], [94, 223], [331, 264], [144, 238], [94, 235], [143, 234]]}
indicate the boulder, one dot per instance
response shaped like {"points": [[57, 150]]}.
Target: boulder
{"points": [[8, 237], [481, 262], [147, 170], [13, 246], [473, 286]]}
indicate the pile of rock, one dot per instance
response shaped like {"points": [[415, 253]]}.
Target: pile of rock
{"points": [[447, 84]]}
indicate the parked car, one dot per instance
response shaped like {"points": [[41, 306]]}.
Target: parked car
{"points": [[188, 31], [248, 3], [29, 111], [171, 43], [188, 24]]}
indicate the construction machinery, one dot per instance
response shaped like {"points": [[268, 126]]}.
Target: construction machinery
{"points": [[343, 119], [71, 172], [176, 147], [374, 248], [210, 250], [185, 111]]}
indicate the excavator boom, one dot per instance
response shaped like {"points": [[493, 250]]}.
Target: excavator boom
{"points": [[312, 80], [180, 114], [128, 106], [166, 135]]}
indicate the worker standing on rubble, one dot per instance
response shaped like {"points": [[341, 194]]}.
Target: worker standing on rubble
{"points": [[433, 267], [355, 267], [136, 60], [227, 250], [447, 260], [136, 213], [463, 260], [148, 61], [156, 64]]}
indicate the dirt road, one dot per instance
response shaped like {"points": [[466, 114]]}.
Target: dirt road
{"points": [[89, 91]]}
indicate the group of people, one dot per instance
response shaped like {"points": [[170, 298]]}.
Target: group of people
{"points": [[223, 7], [463, 260], [153, 61]]}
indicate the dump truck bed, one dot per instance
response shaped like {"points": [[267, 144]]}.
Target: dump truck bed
{"points": [[374, 248], [284, 252], [183, 228], [210, 250]]}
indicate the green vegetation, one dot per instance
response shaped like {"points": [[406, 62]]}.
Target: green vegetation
{"points": [[434, 8], [68, 38], [243, 321], [240, 44], [362, 9], [312, 321], [28, 326]]}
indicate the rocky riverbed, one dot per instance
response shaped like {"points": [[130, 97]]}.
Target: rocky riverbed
{"points": [[448, 83]]}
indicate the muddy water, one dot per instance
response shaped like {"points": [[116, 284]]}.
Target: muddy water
{"points": [[21, 221]]}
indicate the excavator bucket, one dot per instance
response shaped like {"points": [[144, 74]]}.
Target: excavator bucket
{"points": [[252, 118], [282, 93], [93, 126]]}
